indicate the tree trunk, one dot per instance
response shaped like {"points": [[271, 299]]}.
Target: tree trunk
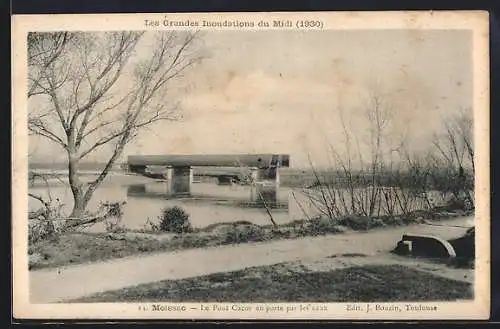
{"points": [[78, 208], [79, 200]]}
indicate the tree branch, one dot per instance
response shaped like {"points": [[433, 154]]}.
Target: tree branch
{"points": [[39, 129], [39, 198], [101, 142], [79, 84]]}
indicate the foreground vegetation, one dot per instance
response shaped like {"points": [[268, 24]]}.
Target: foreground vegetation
{"points": [[278, 283], [75, 247]]}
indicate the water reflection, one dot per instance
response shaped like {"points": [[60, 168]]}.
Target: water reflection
{"points": [[209, 203], [222, 194]]}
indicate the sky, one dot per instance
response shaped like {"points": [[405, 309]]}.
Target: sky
{"points": [[283, 92]]}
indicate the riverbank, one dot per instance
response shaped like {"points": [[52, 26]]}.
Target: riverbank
{"points": [[319, 253], [78, 248]]}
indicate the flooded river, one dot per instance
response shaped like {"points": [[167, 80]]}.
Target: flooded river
{"points": [[209, 203]]}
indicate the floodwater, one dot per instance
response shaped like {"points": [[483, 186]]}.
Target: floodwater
{"points": [[209, 203]]}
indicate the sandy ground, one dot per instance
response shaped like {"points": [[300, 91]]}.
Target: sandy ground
{"points": [[65, 283]]}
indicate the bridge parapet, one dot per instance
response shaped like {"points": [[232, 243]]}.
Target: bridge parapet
{"points": [[211, 160]]}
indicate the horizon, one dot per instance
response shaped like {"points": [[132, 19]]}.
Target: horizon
{"points": [[63, 166]]}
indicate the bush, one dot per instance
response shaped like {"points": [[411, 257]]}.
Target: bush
{"points": [[243, 233], [40, 227], [320, 226], [44, 224], [357, 223], [458, 203], [174, 219], [113, 215]]}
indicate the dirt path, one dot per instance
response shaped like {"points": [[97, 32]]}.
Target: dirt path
{"points": [[53, 285]]}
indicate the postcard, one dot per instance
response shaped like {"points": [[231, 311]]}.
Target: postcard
{"points": [[298, 165]]}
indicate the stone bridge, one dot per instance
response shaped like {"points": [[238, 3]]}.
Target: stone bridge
{"points": [[260, 169]]}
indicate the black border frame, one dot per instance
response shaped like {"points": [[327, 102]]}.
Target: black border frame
{"points": [[151, 6]]}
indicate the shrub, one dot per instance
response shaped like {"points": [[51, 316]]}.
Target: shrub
{"points": [[320, 226], [113, 215], [458, 203], [243, 234], [44, 223], [357, 223], [174, 219], [40, 226]]}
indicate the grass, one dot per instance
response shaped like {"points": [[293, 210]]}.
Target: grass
{"points": [[77, 248], [277, 283]]}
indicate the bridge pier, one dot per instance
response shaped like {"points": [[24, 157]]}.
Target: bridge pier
{"points": [[179, 174], [265, 185], [179, 180]]}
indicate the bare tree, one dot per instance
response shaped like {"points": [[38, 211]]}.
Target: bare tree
{"points": [[99, 92], [455, 144], [464, 129], [455, 150], [379, 117], [43, 50], [373, 171]]}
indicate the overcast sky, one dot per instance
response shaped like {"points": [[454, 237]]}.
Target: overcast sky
{"points": [[281, 91]]}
